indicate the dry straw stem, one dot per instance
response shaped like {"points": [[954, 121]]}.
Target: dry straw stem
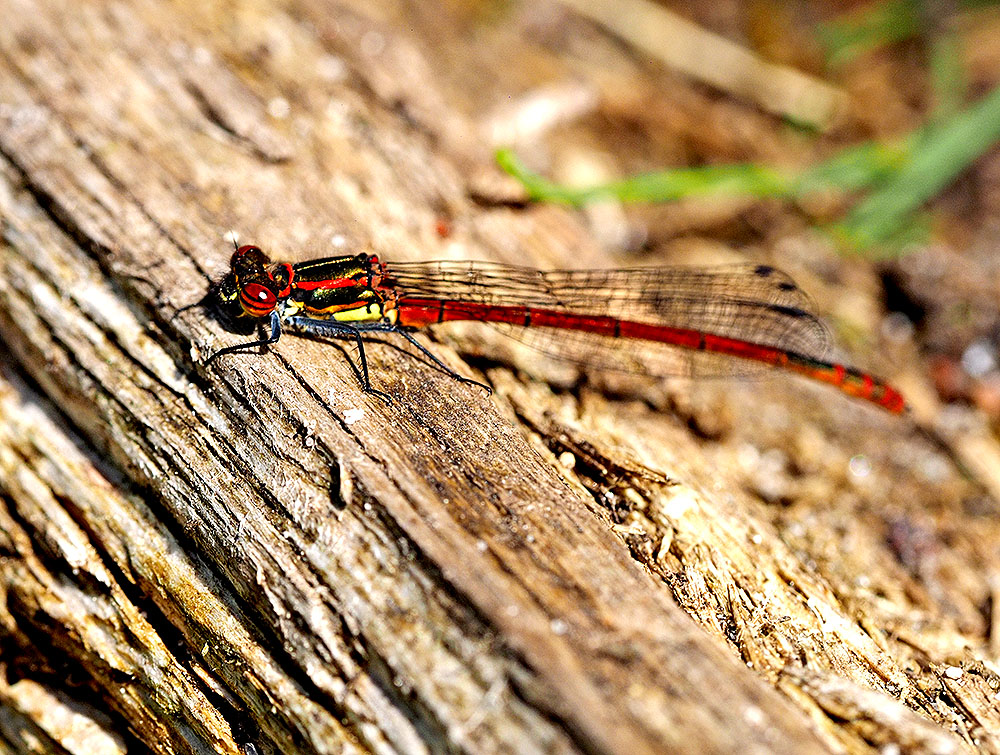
{"points": [[709, 58]]}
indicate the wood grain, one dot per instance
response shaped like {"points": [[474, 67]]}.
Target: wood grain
{"points": [[257, 553]]}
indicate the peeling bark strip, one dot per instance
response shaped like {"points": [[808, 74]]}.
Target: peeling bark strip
{"points": [[257, 553]]}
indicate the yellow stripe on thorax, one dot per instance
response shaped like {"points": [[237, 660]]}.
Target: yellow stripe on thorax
{"points": [[366, 313]]}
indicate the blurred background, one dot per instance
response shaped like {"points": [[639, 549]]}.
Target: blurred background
{"points": [[851, 143]]}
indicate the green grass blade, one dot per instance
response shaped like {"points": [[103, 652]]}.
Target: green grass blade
{"points": [[664, 186], [867, 29], [938, 155], [851, 169]]}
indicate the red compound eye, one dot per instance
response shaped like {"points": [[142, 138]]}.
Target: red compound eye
{"points": [[243, 251], [257, 300]]}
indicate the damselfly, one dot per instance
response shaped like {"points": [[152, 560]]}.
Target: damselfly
{"points": [[658, 321]]}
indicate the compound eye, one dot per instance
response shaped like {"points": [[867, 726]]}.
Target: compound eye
{"points": [[243, 251], [257, 300]]}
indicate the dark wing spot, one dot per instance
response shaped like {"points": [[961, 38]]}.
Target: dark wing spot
{"points": [[764, 271], [790, 311], [787, 286]]}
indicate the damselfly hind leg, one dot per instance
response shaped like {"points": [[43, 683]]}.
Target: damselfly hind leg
{"points": [[380, 327], [448, 370], [342, 330]]}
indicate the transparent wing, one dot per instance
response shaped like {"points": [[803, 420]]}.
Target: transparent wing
{"points": [[756, 304]]}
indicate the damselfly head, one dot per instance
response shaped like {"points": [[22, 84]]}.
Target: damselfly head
{"points": [[248, 293]]}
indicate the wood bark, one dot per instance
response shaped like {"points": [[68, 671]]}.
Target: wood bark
{"points": [[255, 555]]}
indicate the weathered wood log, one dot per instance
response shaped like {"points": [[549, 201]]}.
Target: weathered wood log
{"points": [[258, 555]]}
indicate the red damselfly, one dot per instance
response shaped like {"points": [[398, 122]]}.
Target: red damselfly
{"points": [[659, 321]]}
